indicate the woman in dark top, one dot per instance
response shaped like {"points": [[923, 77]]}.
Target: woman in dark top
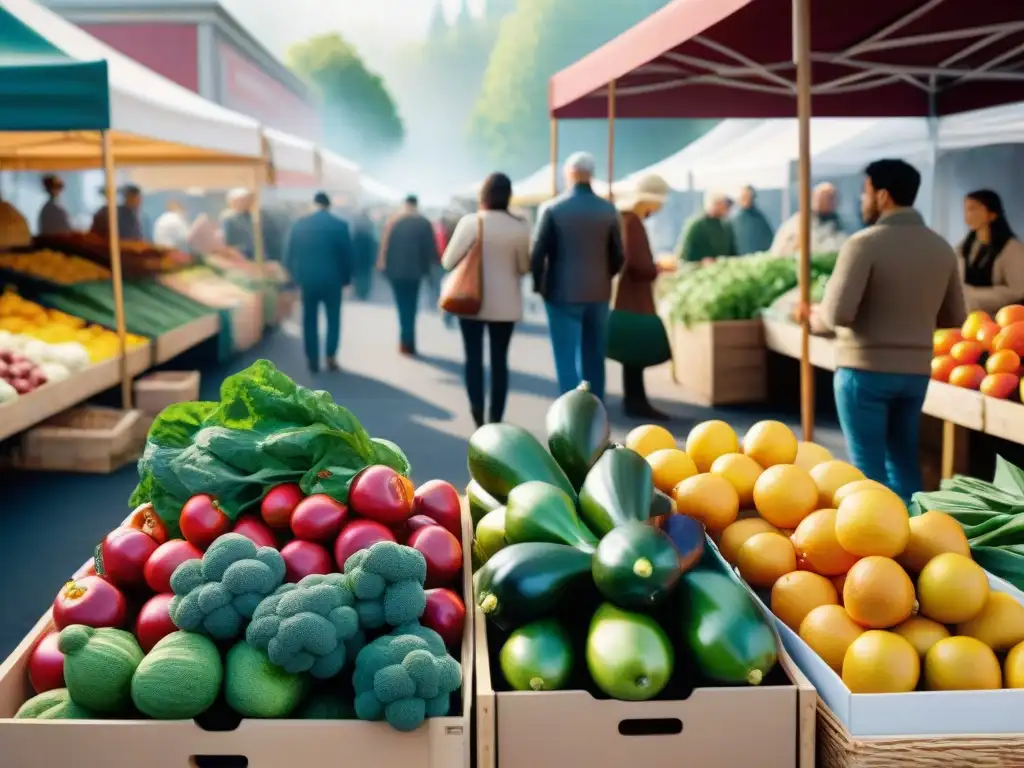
{"points": [[991, 257]]}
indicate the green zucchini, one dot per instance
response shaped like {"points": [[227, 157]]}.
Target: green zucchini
{"points": [[537, 511], [636, 566], [537, 657], [618, 489], [480, 501], [578, 432], [502, 456], [489, 538]]}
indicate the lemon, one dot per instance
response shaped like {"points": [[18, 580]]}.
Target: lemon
{"points": [[999, 625], [829, 631], [740, 470], [770, 443], [708, 498], [873, 522], [961, 664], [921, 632], [952, 589], [670, 466], [809, 455], [784, 495], [931, 534], [830, 476], [854, 487], [709, 440], [881, 662], [1014, 669], [649, 438]]}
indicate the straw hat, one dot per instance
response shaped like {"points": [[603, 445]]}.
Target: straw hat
{"points": [[649, 188]]}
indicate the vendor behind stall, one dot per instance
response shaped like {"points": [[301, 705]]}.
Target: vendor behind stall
{"points": [[53, 217], [991, 257], [129, 222], [708, 234], [237, 223]]}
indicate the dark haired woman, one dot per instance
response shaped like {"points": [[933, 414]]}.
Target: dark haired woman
{"points": [[505, 255], [992, 258]]}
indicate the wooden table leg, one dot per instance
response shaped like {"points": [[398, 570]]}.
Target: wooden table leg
{"points": [[948, 449]]}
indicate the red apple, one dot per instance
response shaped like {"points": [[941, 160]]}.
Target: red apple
{"points": [[318, 518], [440, 501], [46, 664], [279, 504], [256, 531], [445, 614], [164, 560], [146, 520], [382, 494], [442, 552], [89, 600], [202, 521], [154, 621], [124, 553], [304, 558], [359, 534]]}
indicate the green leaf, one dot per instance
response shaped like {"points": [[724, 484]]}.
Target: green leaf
{"points": [[1010, 532], [1000, 562], [1009, 478]]}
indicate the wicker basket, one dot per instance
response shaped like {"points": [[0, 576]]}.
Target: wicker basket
{"points": [[838, 749]]}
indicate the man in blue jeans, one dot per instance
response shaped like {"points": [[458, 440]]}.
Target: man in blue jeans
{"points": [[895, 282], [577, 251]]}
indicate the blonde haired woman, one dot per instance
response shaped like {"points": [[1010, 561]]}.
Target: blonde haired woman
{"points": [[636, 335]]}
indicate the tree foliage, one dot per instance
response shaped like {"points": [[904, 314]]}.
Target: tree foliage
{"points": [[509, 124], [360, 116]]}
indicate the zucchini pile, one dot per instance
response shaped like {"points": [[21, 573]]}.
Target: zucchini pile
{"points": [[587, 577]]}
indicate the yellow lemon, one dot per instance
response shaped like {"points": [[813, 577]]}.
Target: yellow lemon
{"points": [[921, 632], [649, 438], [809, 455], [670, 466], [854, 487], [1014, 669], [740, 470], [770, 443], [708, 498], [961, 664], [881, 662], [873, 522], [931, 534], [830, 476], [784, 495], [999, 625], [952, 589], [709, 440]]}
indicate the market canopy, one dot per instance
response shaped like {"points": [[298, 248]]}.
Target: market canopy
{"points": [[536, 188], [60, 88], [293, 159], [338, 174], [734, 58]]}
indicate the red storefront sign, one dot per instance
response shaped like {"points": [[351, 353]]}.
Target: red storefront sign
{"points": [[170, 49]]}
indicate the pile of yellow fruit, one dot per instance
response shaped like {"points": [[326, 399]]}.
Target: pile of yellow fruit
{"points": [[19, 315], [54, 266], [892, 603]]}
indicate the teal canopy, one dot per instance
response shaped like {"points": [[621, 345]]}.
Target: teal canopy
{"points": [[43, 89]]}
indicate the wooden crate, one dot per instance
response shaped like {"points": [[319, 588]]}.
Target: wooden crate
{"points": [[91, 440], [159, 389], [720, 363]]}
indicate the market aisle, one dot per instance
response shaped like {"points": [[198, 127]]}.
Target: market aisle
{"points": [[50, 522]]}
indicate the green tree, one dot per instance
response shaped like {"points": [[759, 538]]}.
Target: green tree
{"points": [[361, 117], [509, 124]]}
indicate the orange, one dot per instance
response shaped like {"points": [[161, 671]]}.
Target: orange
{"points": [[735, 535], [670, 466], [741, 471], [987, 334], [830, 476], [648, 438], [921, 632], [1005, 361], [1010, 314], [855, 487], [967, 376], [708, 498], [942, 367], [810, 455], [873, 522], [999, 385], [1011, 337], [770, 443], [840, 582], [967, 352], [973, 324], [817, 546], [784, 495], [878, 594], [709, 440], [796, 594], [764, 558], [944, 339], [952, 589], [881, 662], [829, 631], [961, 664], [931, 534]]}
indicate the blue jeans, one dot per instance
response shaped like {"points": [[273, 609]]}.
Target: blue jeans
{"points": [[579, 339], [329, 296], [880, 414], [407, 296]]}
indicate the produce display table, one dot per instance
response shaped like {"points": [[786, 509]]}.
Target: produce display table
{"points": [[53, 398], [172, 344]]}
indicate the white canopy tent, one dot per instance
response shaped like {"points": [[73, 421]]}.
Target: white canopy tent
{"points": [[377, 192], [337, 174], [291, 155], [536, 188]]}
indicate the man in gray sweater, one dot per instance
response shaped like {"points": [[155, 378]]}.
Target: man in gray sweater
{"points": [[577, 251]]}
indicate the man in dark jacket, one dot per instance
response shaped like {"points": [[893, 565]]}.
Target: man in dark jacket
{"points": [[364, 241], [408, 251], [750, 226], [319, 259], [129, 216], [577, 250]]}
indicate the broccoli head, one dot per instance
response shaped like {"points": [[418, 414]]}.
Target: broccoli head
{"points": [[310, 627], [405, 677], [218, 594], [387, 581]]}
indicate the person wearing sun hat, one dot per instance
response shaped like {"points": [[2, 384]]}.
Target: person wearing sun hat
{"points": [[636, 335]]}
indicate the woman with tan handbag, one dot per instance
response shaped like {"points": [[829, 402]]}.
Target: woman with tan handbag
{"points": [[488, 254]]}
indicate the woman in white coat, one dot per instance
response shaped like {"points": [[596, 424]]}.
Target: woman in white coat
{"points": [[505, 258]]}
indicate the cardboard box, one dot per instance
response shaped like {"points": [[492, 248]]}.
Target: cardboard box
{"points": [[442, 742], [720, 363]]}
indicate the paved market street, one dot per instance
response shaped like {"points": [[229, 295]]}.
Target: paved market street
{"points": [[50, 521]]}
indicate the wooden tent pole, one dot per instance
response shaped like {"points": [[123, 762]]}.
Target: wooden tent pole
{"points": [[611, 138], [116, 275], [802, 51], [554, 157]]}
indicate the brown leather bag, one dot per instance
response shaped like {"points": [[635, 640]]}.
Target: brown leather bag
{"points": [[463, 291]]}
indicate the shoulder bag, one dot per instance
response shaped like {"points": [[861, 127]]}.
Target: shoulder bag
{"points": [[463, 291]]}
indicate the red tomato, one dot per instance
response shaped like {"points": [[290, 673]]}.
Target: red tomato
{"points": [[382, 494], [359, 534], [445, 614], [318, 518], [304, 558], [164, 560], [46, 664], [440, 501], [202, 520], [90, 600], [154, 621], [146, 520], [442, 552], [278, 505], [254, 529], [124, 553]]}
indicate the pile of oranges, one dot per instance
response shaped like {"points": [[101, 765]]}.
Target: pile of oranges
{"points": [[892, 603], [984, 355]]}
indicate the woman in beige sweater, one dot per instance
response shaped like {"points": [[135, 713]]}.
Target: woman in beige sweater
{"points": [[991, 258], [505, 259]]}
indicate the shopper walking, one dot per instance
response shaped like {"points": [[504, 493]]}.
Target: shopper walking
{"points": [[750, 226], [364, 244], [576, 252], [991, 257], [53, 216], [636, 335], [408, 251], [893, 284], [504, 258], [319, 258]]}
